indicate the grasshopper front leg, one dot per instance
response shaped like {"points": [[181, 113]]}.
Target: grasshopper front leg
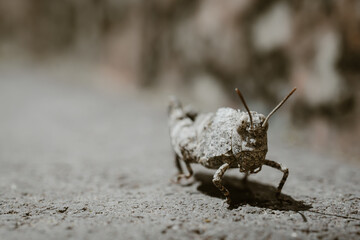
{"points": [[217, 181], [281, 168]]}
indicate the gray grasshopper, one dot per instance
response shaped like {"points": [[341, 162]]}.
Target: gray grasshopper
{"points": [[228, 138]]}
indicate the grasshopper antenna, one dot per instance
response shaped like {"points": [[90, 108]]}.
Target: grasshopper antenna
{"points": [[277, 107], [247, 109]]}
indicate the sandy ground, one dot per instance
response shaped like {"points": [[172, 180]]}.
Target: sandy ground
{"points": [[77, 163]]}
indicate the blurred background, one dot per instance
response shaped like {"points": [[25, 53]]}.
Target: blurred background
{"points": [[201, 50]]}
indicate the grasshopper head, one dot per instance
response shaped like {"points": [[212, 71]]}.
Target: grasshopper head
{"points": [[264, 122], [252, 131], [253, 139]]}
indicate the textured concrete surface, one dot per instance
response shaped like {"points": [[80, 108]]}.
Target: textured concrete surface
{"points": [[77, 163]]}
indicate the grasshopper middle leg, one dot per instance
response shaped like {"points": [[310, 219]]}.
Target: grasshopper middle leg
{"points": [[217, 181], [178, 164], [245, 178], [181, 173], [281, 168]]}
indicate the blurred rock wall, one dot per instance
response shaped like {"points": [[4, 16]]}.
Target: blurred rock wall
{"points": [[263, 47]]}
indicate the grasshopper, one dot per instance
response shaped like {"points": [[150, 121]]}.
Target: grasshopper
{"points": [[228, 138]]}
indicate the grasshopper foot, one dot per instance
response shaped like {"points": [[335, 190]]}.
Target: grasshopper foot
{"points": [[181, 176], [278, 195], [280, 198], [228, 200]]}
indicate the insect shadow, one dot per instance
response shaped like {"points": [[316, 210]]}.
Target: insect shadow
{"points": [[253, 193]]}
